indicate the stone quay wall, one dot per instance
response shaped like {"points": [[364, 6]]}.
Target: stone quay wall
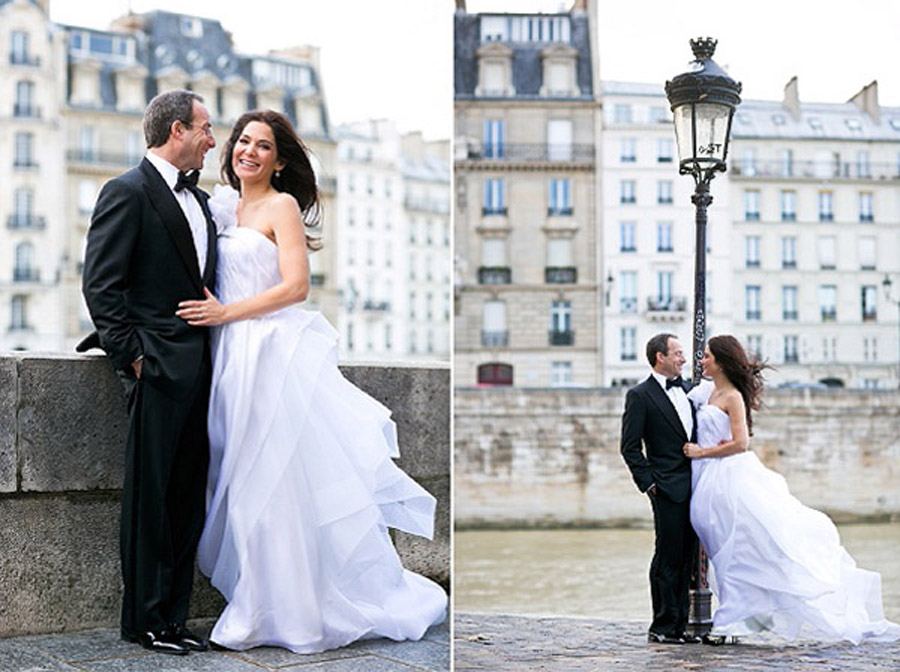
{"points": [[550, 457], [63, 425]]}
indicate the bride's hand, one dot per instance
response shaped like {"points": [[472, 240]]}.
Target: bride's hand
{"points": [[692, 450], [207, 313]]}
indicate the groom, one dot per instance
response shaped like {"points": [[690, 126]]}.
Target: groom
{"points": [[151, 244], [659, 416]]}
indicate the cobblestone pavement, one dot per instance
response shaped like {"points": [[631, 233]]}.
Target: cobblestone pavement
{"points": [[514, 643], [103, 651]]}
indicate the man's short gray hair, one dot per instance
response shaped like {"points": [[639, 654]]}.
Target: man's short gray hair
{"points": [[165, 109]]}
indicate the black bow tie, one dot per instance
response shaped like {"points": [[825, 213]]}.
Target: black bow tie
{"points": [[674, 382], [187, 180]]}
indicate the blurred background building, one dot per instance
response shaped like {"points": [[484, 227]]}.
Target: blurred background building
{"points": [[575, 234], [70, 119]]}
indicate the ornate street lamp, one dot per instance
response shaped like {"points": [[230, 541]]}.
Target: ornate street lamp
{"points": [[703, 101], [888, 286]]}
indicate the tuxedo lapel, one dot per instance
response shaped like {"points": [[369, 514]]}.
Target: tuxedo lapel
{"points": [[172, 217], [211, 252], [665, 406]]}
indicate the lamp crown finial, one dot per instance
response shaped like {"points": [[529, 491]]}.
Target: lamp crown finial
{"points": [[704, 48]]}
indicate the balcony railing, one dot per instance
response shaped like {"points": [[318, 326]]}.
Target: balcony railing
{"points": [[102, 158], [870, 315], [495, 339], [26, 162], [316, 279], [18, 58], [753, 315], [788, 216], [829, 314], [557, 211], [866, 217], [751, 216], [788, 263], [561, 275], [791, 358], [26, 110], [826, 216], [817, 170], [752, 263], [563, 153], [26, 275], [21, 221], [488, 211], [668, 304], [427, 205], [628, 304], [562, 337], [494, 275], [376, 306], [789, 315]]}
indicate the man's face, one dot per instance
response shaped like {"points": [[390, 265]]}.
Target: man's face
{"points": [[197, 140], [673, 361]]}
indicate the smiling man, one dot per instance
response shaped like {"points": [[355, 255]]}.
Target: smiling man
{"points": [[151, 244]]}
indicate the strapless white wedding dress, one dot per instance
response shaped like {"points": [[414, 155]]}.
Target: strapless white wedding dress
{"points": [[302, 488], [777, 564]]}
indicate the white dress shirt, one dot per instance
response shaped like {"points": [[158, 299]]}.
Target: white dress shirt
{"points": [[189, 206], [680, 401]]}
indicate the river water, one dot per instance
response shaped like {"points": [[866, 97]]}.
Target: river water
{"points": [[603, 573]]}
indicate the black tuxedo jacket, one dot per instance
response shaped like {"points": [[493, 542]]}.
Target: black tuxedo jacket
{"points": [[139, 263], [651, 419]]}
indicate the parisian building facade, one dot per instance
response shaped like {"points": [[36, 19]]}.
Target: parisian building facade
{"points": [[526, 199], [393, 262], [70, 119]]}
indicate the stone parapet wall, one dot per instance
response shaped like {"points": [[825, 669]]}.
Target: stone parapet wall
{"points": [[62, 435], [533, 457]]}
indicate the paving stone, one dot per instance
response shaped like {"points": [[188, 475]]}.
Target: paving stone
{"points": [[360, 664], [17, 655], [427, 655], [212, 661]]}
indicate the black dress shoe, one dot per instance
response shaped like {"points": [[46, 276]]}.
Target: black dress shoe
{"points": [[188, 639], [691, 639], [163, 641], [714, 640], [656, 638]]}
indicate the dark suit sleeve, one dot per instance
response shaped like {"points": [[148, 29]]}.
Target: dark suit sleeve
{"points": [[632, 433], [110, 243]]}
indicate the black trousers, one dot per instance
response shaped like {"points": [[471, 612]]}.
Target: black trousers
{"points": [[163, 502], [670, 571]]}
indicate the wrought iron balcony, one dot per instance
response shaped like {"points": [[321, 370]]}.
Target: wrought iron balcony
{"points": [[427, 205], [316, 279], [788, 263], [866, 217], [26, 275], [628, 304], [751, 216], [102, 158], [22, 221], [791, 358], [376, 306], [752, 263], [560, 275], [788, 216], [753, 315], [495, 339], [18, 58], [563, 153], [26, 162], [816, 170], [562, 337], [826, 216], [789, 315], [557, 211], [487, 211], [26, 110], [829, 314], [870, 315], [667, 304], [494, 275]]}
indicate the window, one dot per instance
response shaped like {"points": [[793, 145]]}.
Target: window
{"points": [[494, 132], [24, 106], [370, 185], [627, 191], [828, 302], [134, 147], [664, 236], [627, 344], [24, 157], [388, 343], [19, 49], [825, 206], [827, 245], [752, 302], [559, 139], [788, 206], [748, 162], [495, 373], [790, 350], [664, 192], [789, 252], [626, 236], [659, 115], [870, 349], [627, 151], [664, 281], [560, 197], [622, 113], [494, 196], [664, 148], [751, 247], [863, 167], [23, 202], [854, 124], [561, 323], [869, 303], [751, 205], [754, 346], [829, 348], [865, 207], [18, 312], [23, 269], [370, 253], [789, 303], [560, 374], [351, 252], [786, 162], [87, 143], [628, 291], [191, 26], [560, 268], [779, 119], [519, 28], [493, 256], [867, 253], [815, 124]]}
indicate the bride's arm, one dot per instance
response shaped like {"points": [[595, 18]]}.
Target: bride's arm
{"points": [[293, 265], [734, 407]]}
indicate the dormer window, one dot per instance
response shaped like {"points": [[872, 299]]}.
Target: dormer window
{"points": [[815, 124], [495, 71], [854, 125], [559, 71], [191, 26], [778, 119], [895, 124], [537, 28]]}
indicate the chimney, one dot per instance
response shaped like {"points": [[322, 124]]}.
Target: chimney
{"points": [[792, 98], [461, 6], [867, 101]]}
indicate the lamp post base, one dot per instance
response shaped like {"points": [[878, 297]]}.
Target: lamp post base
{"points": [[699, 616]]}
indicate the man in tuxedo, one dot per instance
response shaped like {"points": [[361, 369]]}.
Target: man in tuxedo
{"points": [[150, 245], [659, 416]]}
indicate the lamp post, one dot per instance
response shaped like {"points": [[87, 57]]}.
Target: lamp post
{"points": [[888, 286], [703, 101]]}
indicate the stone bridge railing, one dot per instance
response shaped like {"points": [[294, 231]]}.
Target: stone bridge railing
{"points": [[62, 437]]}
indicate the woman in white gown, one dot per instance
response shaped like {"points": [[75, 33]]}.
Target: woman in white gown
{"points": [[777, 564], [302, 487]]}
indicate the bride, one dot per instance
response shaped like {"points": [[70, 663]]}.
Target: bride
{"points": [[778, 565], [302, 488]]}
